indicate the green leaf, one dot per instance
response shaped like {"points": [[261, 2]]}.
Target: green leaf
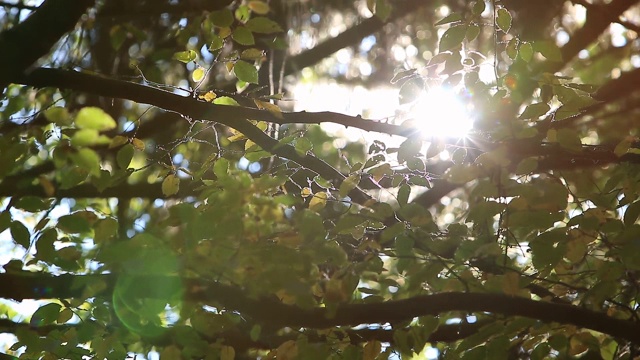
{"points": [[473, 31], [45, 315], [526, 51], [88, 160], [503, 20], [185, 56], [403, 194], [243, 14], [452, 38], [58, 115], [348, 222], [263, 25], [94, 118], [225, 100], [453, 17], [88, 137], [245, 72], [243, 36], [512, 48], [478, 7], [569, 139], [216, 43], [548, 49], [222, 18], [20, 234], [527, 166], [32, 204], [382, 9], [5, 220], [409, 148], [349, 184], [124, 156], [534, 111], [75, 223], [631, 213]]}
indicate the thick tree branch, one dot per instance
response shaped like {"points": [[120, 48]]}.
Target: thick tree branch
{"points": [[232, 116], [24, 44], [270, 311]]}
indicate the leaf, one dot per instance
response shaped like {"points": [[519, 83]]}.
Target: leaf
{"points": [[65, 315], [137, 144], [382, 9], [534, 111], [198, 74], [452, 38], [526, 51], [246, 72], [403, 194], [624, 146], [170, 185], [472, 32], [318, 201], [58, 115], [527, 166], [252, 54], [548, 49], [263, 25], [243, 14], [94, 118], [124, 156], [185, 56], [45, 315], [569, 139], [503, 20], [453, 17], [227, 353], [225, 100], [88, 137], [20, 234], [259, 7], [88, 160], [512, 48], [75, 223], [478, 7], [221, 18], [243, 36], [216, 43]]}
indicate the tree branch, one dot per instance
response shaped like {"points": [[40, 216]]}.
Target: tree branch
{"points": [[270, 311]]}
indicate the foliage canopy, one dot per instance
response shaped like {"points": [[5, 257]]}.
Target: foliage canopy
{"points": [[162, 193]]}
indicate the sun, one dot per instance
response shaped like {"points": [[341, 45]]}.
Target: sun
{"points": [[440, 113]]}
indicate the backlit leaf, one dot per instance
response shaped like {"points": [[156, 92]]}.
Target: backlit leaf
{"points": [[94, 118], [259, 7], [243, 36], [246, 72], [263, 25], [503, 20], [170, 185], [453, 37], [185, 56]]}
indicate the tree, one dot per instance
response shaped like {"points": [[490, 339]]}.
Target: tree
{"points": [[160, 194]]}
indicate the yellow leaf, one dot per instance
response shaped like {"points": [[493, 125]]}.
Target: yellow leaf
{"points": [[208, 96], [227, 353], [318, 202], [224, 32], [272, 108], [138, 144], [118, 140], [170, 185], [259, 7], [623, 146], [306, 192], [197, 75]]}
